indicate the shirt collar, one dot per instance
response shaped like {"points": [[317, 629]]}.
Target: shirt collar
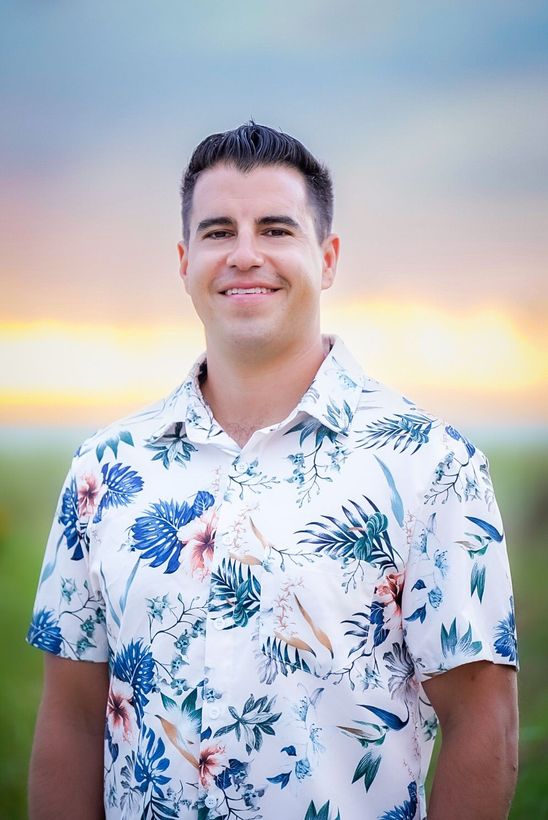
{"points": [[331, 399]]}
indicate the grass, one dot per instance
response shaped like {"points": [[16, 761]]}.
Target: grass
{"points": [[30, 479]]}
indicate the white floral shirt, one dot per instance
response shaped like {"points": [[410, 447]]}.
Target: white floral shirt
{"points": [[270, 613]]}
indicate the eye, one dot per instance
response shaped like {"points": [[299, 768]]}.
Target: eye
{"points": [[217, 235], [277, 232]]}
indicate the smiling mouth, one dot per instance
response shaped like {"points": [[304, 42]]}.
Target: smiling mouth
{"points": [[247, 291]]}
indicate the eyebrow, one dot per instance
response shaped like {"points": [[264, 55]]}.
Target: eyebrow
{"points": [[276, 219], [214, 220]]}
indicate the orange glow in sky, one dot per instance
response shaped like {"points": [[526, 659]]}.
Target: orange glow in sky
{"points": [[471, 366]]}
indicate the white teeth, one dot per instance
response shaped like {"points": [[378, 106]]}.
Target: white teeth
{"points": [[232, 291]]}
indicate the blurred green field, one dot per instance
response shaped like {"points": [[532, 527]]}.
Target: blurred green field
{"points": [[31, 472]]}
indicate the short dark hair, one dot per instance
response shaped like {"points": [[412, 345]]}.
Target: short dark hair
{"points": [[252, 145]]}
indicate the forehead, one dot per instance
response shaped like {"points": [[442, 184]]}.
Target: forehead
{"points": [[268, 189]]}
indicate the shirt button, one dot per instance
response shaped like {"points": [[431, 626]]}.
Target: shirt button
{"points": [[215, 712], [218, 624], [210, 801], [227, 540]]}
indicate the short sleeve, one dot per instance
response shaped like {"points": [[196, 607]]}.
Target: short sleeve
{"points": [[69, 614], [457, 604]]}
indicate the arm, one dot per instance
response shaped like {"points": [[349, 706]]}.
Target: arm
{"points": [[476, 772], [66, 769]]}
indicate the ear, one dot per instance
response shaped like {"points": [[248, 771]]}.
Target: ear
{"points": [[330, 256], [183, 262]]}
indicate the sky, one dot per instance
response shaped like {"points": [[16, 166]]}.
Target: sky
{"points": [[433, 119]]}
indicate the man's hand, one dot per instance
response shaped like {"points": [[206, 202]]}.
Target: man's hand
{"points": [[66, 770], [476, 773]]}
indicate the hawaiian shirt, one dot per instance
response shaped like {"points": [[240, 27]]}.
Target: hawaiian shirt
{"points": [[269, 613]]}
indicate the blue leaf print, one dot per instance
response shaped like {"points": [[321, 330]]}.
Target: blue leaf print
{"points": [[312, 427], [155, 533], [491, 531], [48, 569], [173, 448], [202, 502], [290, 750], [44, 631], [122, 485], [319, 814], [113, 442], [395, 499], [451, 431], [402, 431], [123, 598], [506, 642], [477, 581], [451, 644], [389, 719], [106, 595], [134, 664], [419, 584], [282, 779], [69, 518], [364, 538], [407, 810], [367, 768], [235, 593], [150, 763], [418, 615]]}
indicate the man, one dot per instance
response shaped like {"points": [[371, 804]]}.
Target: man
{"points": [[284, 564]]}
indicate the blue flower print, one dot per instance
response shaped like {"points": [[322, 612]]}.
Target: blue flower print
{"points": [[302, 768]]}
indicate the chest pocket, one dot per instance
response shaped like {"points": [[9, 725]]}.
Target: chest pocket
{"points": [[302, 615]]}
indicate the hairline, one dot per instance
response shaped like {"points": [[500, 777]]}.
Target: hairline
{"points": [[245, 167]]}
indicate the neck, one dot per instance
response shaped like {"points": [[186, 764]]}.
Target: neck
{"points": [[249, 392]]}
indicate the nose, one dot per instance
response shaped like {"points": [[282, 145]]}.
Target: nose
{"points": [[244, 253]]}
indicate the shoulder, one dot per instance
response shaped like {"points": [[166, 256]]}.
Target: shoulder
{"points": [[385, 418], [134, 430]]}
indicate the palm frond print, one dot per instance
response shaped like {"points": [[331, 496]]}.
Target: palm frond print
{"points": [[361, 537], [122, 485], [403, 431], [235, 593]]}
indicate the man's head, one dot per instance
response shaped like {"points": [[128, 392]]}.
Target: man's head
{"points": [[251, 146], [252, 259]]}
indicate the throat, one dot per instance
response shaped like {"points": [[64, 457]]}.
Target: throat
{"points": [[241, 433]]}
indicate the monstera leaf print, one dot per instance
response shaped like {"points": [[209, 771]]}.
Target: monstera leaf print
{"points": [[44, 631], [156, 532], [134, 664], [407, 810], [69, 518]]}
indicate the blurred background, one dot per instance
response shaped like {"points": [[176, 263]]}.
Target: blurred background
{"points": [[434, 121]]}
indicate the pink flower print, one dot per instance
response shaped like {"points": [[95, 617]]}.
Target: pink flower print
{"points": [[390, 592], [199, 537], [213, 759], [120, 712], [90, 493]]}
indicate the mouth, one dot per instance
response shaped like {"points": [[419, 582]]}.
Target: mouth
{"points": [[248, 291]]}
